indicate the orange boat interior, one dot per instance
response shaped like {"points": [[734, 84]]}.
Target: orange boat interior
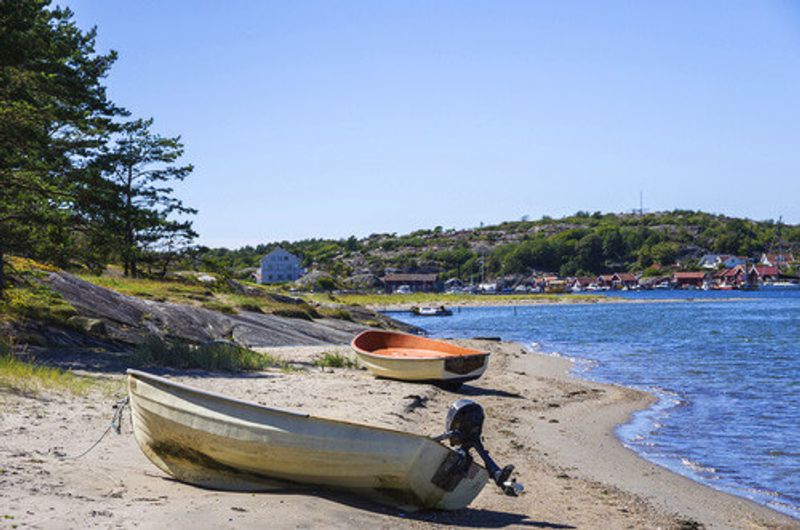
{"points": [[399, 345]]}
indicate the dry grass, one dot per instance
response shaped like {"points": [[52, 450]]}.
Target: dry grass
{"points": [[386, 300], [334, 359], [28, 377], [214, 356]]}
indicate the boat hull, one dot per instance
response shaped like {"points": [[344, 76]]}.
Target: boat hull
{"points": [[216, 442], [411, 358]]}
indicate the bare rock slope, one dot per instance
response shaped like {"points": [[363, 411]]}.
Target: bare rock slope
{"points": [[130, 320]]}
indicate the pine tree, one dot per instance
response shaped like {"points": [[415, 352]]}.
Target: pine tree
{"points": [[53, 113], [140, 208]]}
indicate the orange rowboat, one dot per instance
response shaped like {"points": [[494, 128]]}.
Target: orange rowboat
{"points": [[412, 358]]}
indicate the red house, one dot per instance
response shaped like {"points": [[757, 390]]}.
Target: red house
{"points": [[685, 280], [766, 273], [737, 277]]}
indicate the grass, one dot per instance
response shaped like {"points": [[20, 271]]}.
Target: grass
{"points": [[337, 313], [27, 377], [184, 292], [384, 300], [333, 359], [216, 298], [269, 305], [213, 356], [221, 307]]}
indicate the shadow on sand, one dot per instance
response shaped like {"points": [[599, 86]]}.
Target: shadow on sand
{"points": [[467, 517], [469, 390]]}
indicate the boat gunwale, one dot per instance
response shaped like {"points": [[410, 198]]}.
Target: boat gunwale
{"points": [[361, 351]]}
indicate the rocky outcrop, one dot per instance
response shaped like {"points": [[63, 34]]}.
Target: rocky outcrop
{"points": [[126, 319]]}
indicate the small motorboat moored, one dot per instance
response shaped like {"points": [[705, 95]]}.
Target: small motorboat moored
{"points": [[217, 442], [412, 358], [426, 311]]}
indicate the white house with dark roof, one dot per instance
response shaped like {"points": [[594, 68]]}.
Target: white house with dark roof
{"points": [[280, 266]]}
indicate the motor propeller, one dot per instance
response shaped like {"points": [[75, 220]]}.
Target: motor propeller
{"points": [[464, 426]]}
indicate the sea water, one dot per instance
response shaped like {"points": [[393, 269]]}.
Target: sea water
{"points": [[726, 374]]}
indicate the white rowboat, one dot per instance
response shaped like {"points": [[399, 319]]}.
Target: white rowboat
{"points": [[213, 441]]}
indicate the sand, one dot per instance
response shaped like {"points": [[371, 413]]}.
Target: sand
{"points": [[556, 429]]}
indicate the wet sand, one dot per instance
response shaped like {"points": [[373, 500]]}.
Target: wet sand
{"points": [[556, 429]]}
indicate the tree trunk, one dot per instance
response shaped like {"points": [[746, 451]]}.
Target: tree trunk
{"points": [[130, 260], [2, 273]]}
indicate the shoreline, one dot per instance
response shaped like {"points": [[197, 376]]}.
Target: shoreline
{"points": [[556, 428], [405, 307], [665, 488]]}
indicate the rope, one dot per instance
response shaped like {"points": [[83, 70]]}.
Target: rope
{"points": [[116, 424]]}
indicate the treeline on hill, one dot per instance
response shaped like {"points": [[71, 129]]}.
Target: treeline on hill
{"points": [[82, 182], [575, 245]]}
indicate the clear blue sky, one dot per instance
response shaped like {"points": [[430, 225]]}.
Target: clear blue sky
{"points": [[330, 118]]}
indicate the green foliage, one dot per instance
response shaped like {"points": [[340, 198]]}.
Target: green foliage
{"points": [[138, 206], [76, 184], [653, 271], [334, 359], [594, 243], [30, 298], [325, 283], [221, 307], [338, 313], [53, 114], [213, 356]]}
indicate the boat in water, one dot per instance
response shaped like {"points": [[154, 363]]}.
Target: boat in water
{"points": [[413, 358], [213, 441], [781, 285], [430, 311]]}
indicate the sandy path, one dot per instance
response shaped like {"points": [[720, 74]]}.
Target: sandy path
{"points": [[557, 431]]}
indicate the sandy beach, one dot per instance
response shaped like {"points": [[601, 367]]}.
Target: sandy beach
{"points": [[557, 430]]}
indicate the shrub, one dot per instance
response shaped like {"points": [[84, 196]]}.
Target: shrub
{"points": [[304, 312], [219, 306], [339, 313], [249, 306], [333, 359], [38, 302], [212, 356]]}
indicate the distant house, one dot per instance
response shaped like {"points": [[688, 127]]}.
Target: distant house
{"points": [[732, 261], [737, 276], [580, 283], [618, 280], [684, 280], [709, 261], [605, 280], [624, 279], [767, 273], [715, 261], [416, 282], [280, 266], [776, 260]]}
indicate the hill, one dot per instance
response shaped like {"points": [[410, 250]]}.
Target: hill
{"points": [[579, 244]]}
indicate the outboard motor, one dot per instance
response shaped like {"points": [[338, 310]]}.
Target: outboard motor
{"points": [[464, 426]]}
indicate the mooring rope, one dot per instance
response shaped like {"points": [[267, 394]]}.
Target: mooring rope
{"points": [[116, 424]]}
